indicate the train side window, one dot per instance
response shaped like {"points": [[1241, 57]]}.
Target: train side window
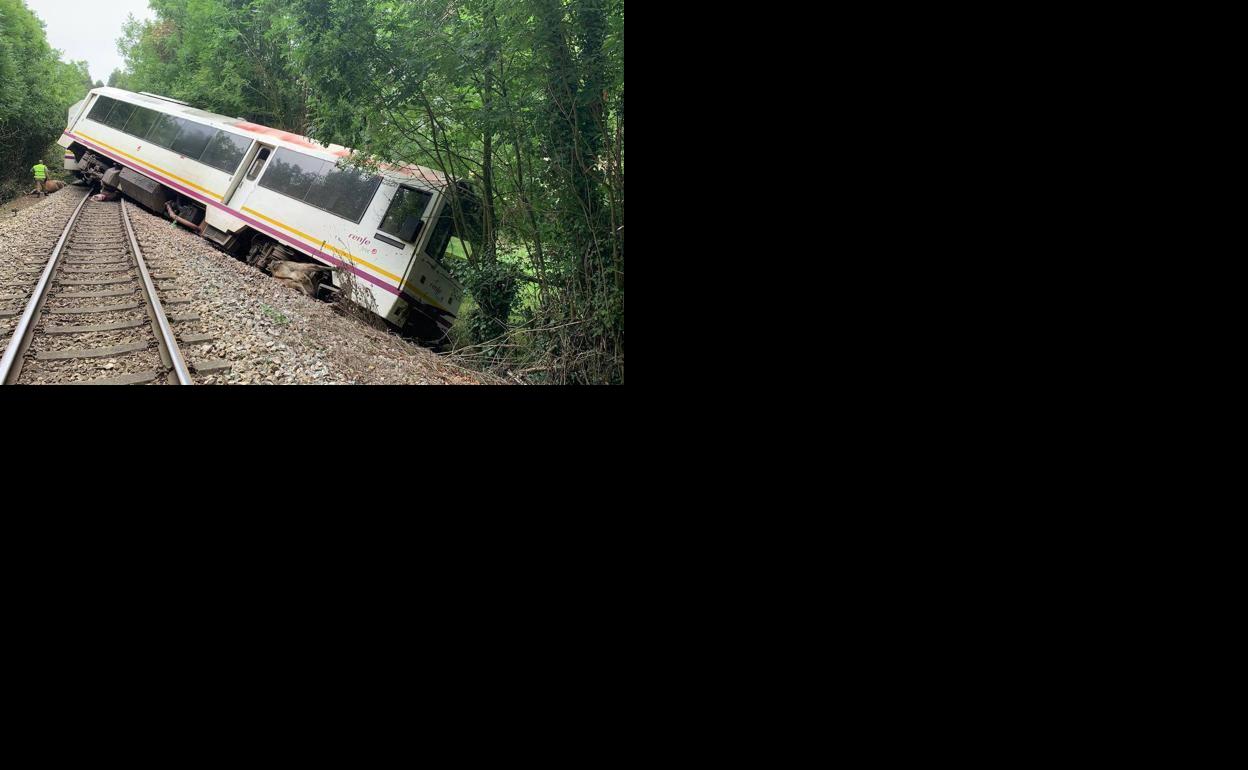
{"points": [[226, 151], [141, 122], [293, 173], [442, 232], [165, 131], [404, 217], [120, 114], [192, 139], [258, 163], [344, 192], [103, 105]]}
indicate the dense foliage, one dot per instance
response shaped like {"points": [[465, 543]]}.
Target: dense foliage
{"points": [[226, 56], [522, 100], [36, 91]]}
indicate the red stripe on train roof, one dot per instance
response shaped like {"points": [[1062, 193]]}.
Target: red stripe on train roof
{"points": [[285, 136]]}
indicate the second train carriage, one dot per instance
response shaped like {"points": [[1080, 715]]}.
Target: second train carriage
{"points": [[251, 187]]}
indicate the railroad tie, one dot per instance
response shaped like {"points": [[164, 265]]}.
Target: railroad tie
{"points": [[97, 294], [128, 379], [212, 366], [95, 271], [96, 328], [99, 309], [116, 350], [95, 282], [196, 339]]}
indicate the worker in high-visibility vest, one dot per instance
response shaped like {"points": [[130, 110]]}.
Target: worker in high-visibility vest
{"points": [[41, 176]]}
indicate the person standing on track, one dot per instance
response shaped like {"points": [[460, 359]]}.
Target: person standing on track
{"points": [[41, 177]]}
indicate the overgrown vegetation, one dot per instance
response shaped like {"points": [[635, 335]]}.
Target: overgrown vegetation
{"points": [[226, 56], [36, 91], [521, 100]]}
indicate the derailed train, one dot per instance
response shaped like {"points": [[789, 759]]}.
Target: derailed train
{"points": [[291, 206]]}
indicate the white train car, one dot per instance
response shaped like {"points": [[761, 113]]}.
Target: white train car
{"points": [[280, 197]]}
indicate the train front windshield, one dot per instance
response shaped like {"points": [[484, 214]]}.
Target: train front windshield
{"points": [[460, 218]]}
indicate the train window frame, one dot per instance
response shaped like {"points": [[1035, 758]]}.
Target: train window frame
{"points": [[234, 139], [115, 113], [322, 171], [287, 167], [397, 232], [101, 99], [192, 147], [346, 185], [164, 116], [445, 216], [141, 111]]}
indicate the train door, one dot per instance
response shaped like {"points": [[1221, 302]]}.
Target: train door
{"points": [[255, 168], [399, 231]]}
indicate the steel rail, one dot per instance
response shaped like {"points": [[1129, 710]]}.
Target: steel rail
{"points": [[20, 339], [163, 332]]}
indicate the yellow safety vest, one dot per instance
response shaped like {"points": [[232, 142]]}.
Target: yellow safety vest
{"points": [[41, 171]]}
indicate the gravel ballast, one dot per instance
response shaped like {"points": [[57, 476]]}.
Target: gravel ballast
{"points": [[269, 333], [27, 238]]}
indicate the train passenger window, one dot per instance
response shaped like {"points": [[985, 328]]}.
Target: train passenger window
{"points": [[226, 151], [103, 105], [120, 114], [322, 193], [344, 192], [141, 122], [258, 163], [293, 173], [442, 232], [192, 139], [403, 219], [165, 131]]}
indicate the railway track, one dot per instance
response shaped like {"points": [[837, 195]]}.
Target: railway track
{"points": [[94, 314]]}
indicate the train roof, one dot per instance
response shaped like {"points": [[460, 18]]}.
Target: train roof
{"points": [[273, 136]]}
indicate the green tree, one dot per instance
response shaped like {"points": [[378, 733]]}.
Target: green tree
{"points": [[228, 56], [36, 91]]}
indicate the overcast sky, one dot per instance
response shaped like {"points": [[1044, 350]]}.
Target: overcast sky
{"points": [[88, 29]]}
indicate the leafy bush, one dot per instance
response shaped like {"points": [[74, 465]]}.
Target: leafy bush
{"points": [[493, 286]]}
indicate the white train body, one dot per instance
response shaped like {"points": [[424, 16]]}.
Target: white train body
{"points": [[389, 230]]}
